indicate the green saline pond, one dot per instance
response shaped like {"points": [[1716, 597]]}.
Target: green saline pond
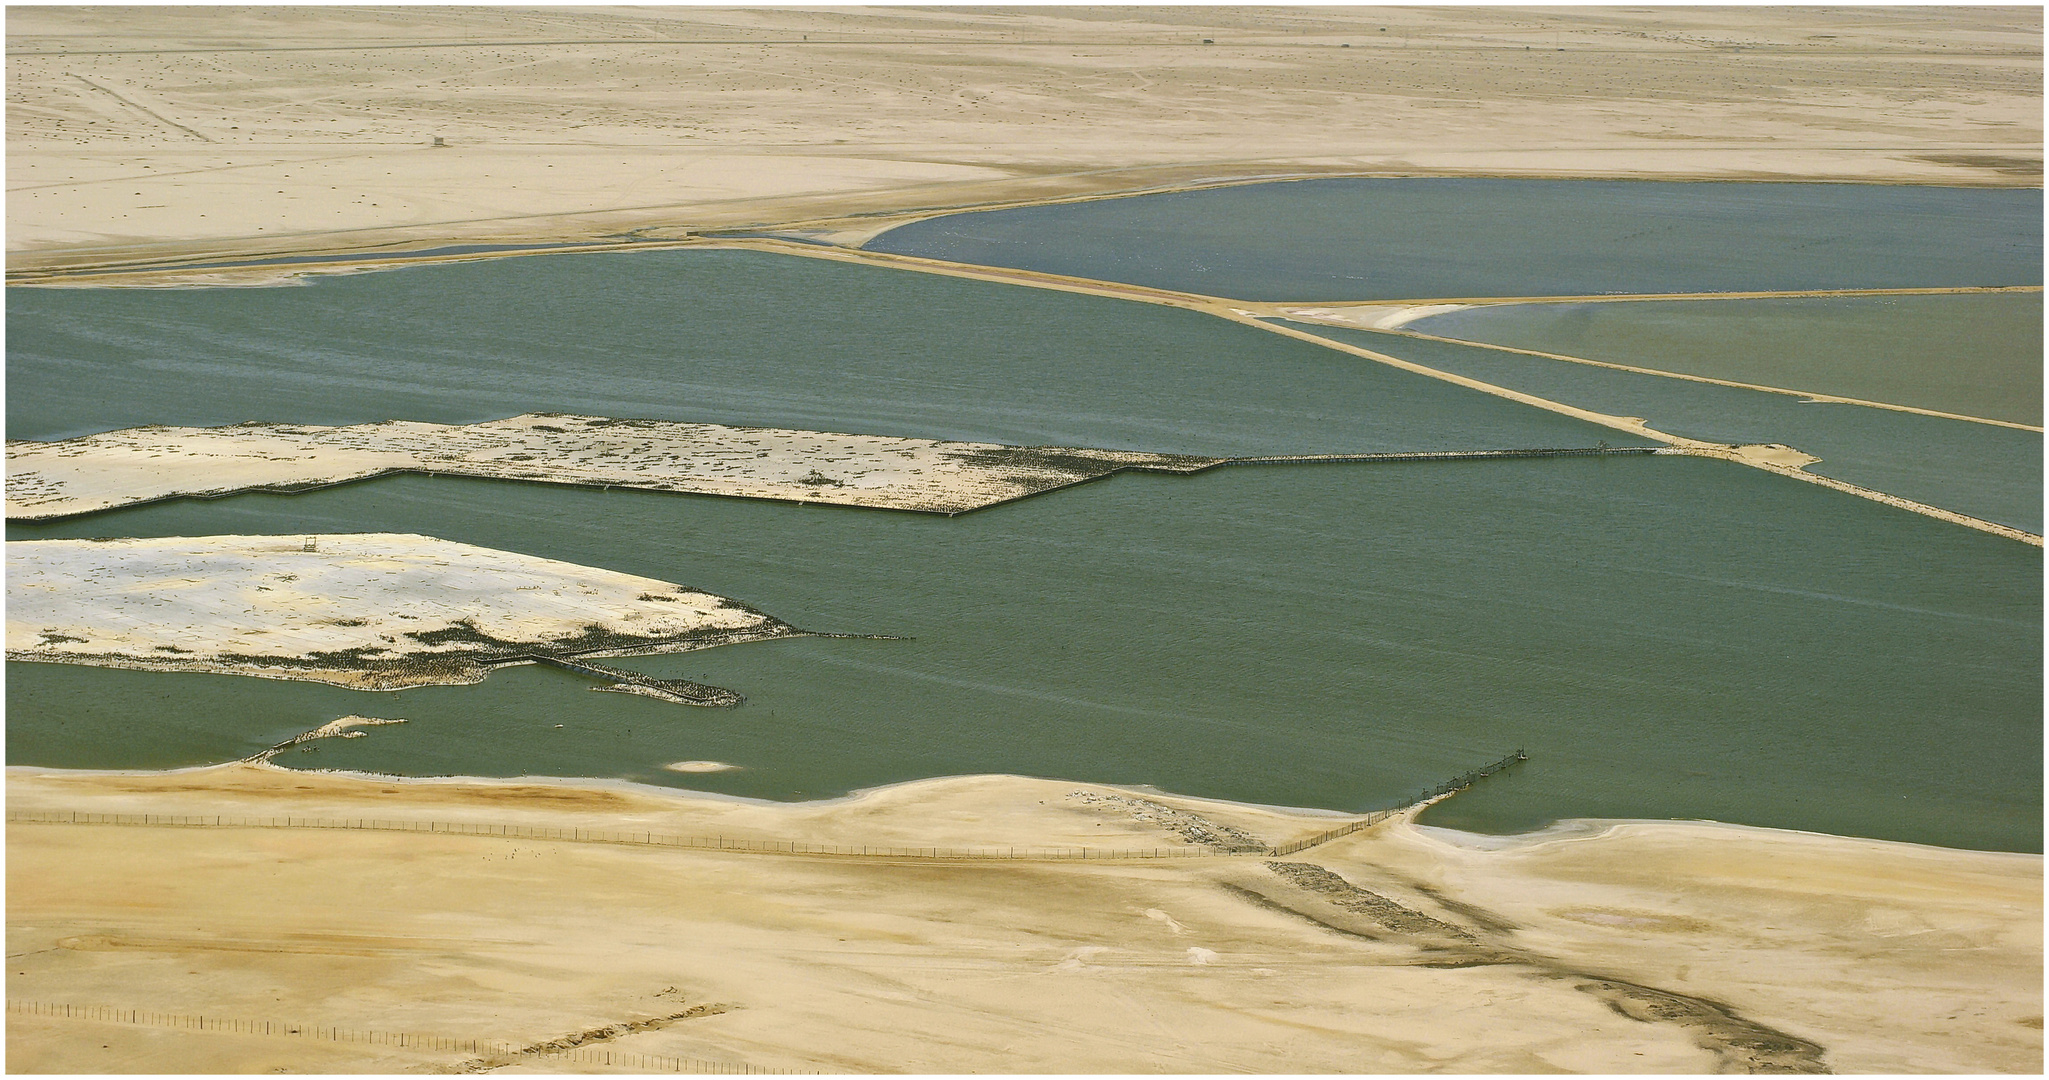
{"points": [[1668, 637], [1976, 354], [729, 337]]}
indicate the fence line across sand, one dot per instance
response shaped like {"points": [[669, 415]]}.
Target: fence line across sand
{"points": [[749, 846], [488, 1048], [603, 836]]}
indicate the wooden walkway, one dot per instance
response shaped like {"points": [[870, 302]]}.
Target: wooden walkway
{"points": [[681, 691]]}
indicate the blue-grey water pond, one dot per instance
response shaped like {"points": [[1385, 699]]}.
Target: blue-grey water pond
{"points": [[725, 337], [1350, 239]]}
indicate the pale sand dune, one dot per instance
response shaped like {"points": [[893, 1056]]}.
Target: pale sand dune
{"points": [[1731, 947], [139, 132]]}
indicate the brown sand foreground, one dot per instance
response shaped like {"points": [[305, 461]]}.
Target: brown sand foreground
{"points": [[154, 132], [1610, 947]]}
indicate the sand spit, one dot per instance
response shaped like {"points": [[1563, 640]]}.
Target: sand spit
{"points": [[342, 728], [1612, 947], [1370, 316], [700, 766], [134, 465], [371, 611]]}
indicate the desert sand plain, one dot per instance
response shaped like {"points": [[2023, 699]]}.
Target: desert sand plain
{"points": [[1619, 947], [153, 137], [156, 133]]}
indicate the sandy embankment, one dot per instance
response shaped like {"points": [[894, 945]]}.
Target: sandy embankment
{"points": [[1397, 317], [1636, 947], [162, 132]]}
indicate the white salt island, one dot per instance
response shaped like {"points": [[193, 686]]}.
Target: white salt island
{"points": [[371, 611], [144, 464]]}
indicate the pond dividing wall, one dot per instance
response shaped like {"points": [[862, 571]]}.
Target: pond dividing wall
{"points": [[1986, 471], [1978, 354]]}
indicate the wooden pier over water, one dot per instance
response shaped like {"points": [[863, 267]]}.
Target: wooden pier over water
{"points": [[624, 680], [1457, 783]]}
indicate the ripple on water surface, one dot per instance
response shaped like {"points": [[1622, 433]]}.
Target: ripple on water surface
{"points": [[725, 337]]}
